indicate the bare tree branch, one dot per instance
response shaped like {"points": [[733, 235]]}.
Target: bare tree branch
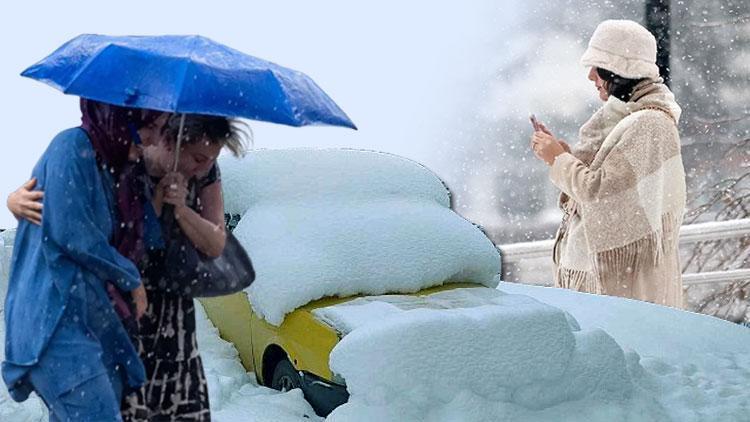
{"points": [[740, 144], [715, 24], [713, 122]]}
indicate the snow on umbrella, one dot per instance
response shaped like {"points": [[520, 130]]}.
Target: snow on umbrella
{"points": [[186, 74]]}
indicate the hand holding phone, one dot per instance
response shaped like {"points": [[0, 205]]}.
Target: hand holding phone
{"points": [[534, 122]]}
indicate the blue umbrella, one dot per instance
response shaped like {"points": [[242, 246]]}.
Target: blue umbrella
{"points": [[186, 74]]}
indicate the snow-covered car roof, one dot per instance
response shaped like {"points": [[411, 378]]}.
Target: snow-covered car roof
{"points": [[340, 222]]}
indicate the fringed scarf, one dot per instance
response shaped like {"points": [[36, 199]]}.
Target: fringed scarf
{"points": [[624, 190]]}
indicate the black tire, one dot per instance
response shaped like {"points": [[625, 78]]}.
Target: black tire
{"points": [[285, 377]]}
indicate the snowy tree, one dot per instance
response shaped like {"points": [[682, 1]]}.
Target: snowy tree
{"points": [[713, 40], [497, 182]]}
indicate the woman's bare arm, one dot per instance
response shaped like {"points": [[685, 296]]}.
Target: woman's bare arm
{"points": [[26, 203], [205, 228]]}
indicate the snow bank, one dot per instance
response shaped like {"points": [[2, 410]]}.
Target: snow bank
{"points": [[291, 175], [515, 357], [696, 366], [342, 222], [630, 361], [32, 410]]}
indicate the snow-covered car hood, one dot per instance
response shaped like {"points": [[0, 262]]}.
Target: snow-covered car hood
{"points": [[347, 316], [404, 355]]}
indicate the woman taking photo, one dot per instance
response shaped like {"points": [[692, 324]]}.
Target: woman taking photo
{"points": [[623, 184]]}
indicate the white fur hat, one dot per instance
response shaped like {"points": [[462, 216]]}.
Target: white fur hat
{"points": [[623, 47]]}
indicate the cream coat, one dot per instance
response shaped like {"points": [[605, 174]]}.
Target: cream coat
{"points": [[623, 198]]}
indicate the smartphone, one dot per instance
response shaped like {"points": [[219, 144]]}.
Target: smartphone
{"points": [[534, 122]]}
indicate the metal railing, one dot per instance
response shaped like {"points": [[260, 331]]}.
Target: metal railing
{"points": [[531, 262]]}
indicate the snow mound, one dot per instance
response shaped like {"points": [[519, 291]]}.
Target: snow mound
{"points": [[343, 222], [515, 356], [696, 366], [31, 410]]}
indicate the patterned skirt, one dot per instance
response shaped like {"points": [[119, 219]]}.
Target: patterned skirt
{"points": [[176, 387]]}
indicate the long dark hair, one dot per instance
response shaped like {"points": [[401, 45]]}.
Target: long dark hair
{"points": [[616, 85]]}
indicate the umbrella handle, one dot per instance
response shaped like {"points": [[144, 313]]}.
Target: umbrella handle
{"points": [[179, 143], [168, 209]]}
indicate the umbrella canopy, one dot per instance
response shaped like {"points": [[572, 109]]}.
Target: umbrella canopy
{"points": [[186, 74]]}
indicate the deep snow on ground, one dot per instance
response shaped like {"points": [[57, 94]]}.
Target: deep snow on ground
{"points": [[697, 367], [342, 222], [511, 359], [666, 364]]}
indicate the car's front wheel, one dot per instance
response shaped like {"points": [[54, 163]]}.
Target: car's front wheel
{"points": [[285, 377]]}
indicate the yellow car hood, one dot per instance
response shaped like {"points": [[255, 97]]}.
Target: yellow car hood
{"points": [[346, 316]]}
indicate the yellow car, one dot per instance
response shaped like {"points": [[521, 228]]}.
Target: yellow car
{"points": [[295, 354], [324, 227]]}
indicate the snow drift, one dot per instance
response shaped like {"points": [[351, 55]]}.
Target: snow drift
{"points": [[510, 353]]}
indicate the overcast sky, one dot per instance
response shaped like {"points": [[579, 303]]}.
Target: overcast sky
{"points": [[399, 69]]}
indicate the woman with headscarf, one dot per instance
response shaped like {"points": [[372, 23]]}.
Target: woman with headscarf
{"points": [[64, 339], [623, 184], [166, 338]]}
